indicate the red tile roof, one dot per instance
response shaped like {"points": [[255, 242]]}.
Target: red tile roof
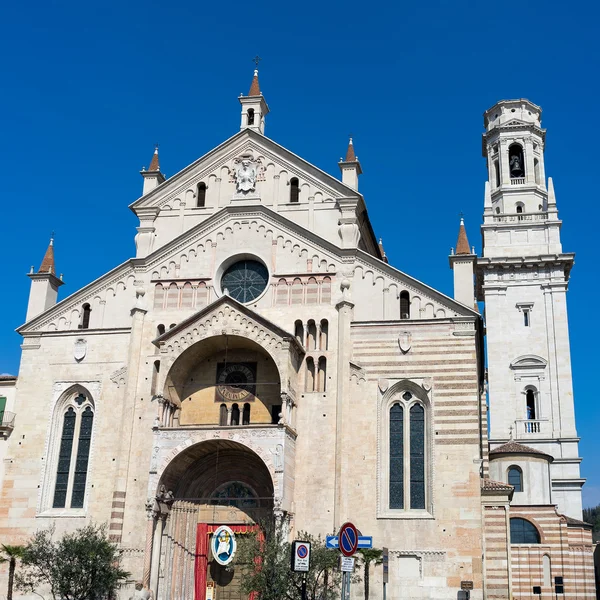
{"points": [[513, 447], [495, 486]]}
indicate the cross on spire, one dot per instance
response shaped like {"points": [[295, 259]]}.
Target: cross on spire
{"points": [[256, 60]]}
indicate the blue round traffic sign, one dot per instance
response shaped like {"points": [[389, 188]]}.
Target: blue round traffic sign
{"points": [[348, 539], [302, 551]]}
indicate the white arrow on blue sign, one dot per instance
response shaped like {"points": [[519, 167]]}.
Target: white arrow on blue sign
{"points": [[364, 541]]}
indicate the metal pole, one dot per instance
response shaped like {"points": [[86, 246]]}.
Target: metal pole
{"points": [[384, 585], [303, 587], [343, 586]]}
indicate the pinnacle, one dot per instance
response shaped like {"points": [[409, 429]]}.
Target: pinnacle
{"points": [[47, 265], [462, 245], [154, 164], [254, 87], [350, 155]]}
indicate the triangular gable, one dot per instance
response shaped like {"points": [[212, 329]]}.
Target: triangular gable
{"points": [[246, 139], [124, 275], [236, 307]]}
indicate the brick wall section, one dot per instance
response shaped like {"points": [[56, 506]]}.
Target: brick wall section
{"points": [[569, 547]]}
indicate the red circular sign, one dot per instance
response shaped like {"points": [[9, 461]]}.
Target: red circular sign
{"points": [[348, 539]]}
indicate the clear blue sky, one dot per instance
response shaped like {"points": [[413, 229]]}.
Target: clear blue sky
{"points": [[88, 88]]}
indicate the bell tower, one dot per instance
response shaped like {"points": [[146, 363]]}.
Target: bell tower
{"points": [[522, 278]]}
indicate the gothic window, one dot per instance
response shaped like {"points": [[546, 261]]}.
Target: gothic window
{"points": [[516, 164], [523, 532], [223, 415], [74, 428], [404, 305], [85, 317], [397, 456], [297, 291], [515, 478], [246, 414], [294, 189], [326, 290], [407, 453], [159, 296], [250, 114], [417, 457], [201, 195], [235, 415]]}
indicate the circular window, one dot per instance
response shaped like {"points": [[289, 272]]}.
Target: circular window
{"points": [[245, 280]]}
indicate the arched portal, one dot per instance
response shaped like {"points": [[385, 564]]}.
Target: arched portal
{"points": [[230, 370], [212, 483]]}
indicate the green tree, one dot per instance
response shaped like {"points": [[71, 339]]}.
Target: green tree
{"points": [[368, 556], [266, 567], [592, 516], [83, 565], [10, 554]]}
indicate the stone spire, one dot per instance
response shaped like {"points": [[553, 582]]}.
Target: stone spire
{"points": [[462, 245], [350, 155], [154, 163], [254, 86], [152, 177], [350, 167], [254, 106], [47, 265], [44, 285]]}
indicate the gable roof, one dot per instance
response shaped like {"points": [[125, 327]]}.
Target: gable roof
{"points": [[235, 140]]}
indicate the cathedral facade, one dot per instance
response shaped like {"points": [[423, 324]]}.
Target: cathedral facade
{"points": [[260, 358]]}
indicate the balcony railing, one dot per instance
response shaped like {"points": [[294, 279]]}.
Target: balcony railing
{"points": [[7, 422], [514, 218], [527, 427], [517, 181]]}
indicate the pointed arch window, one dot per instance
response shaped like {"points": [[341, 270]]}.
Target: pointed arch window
{"points": [[250, 114], [407, 485], [75, 428]]}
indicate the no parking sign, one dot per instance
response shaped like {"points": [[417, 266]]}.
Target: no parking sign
{"points": [[300, 556]]}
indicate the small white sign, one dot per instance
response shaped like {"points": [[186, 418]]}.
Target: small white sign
{"points": [[300, 557], [347, 564]]}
